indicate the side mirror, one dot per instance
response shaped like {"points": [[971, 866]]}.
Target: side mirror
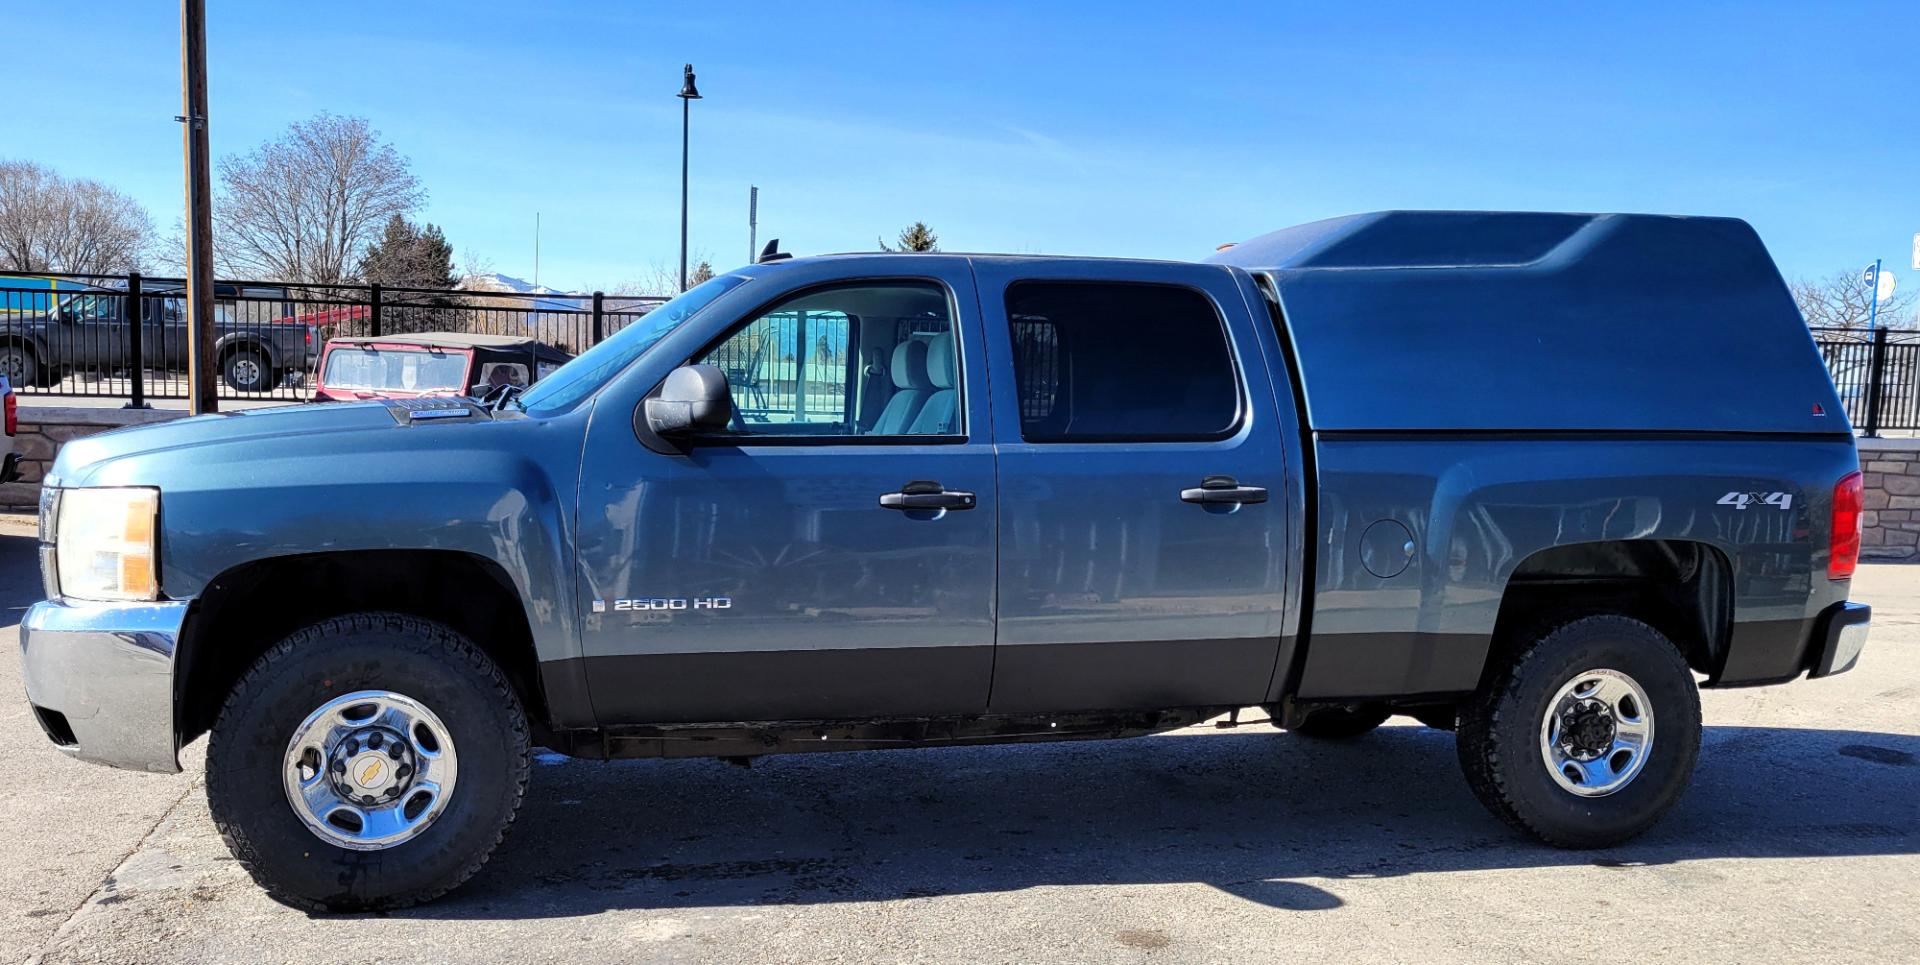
{"points": [[694, 398]]}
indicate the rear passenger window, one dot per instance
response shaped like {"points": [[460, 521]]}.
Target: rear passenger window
{"points": [[1120, 362]]}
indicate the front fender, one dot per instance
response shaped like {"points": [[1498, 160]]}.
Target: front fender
{"points": [[502, 490]]}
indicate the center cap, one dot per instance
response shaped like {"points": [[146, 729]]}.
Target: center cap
{"points": [[371, 771]]}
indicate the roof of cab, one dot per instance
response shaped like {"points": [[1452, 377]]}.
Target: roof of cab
{"points": [[1461, 320]]}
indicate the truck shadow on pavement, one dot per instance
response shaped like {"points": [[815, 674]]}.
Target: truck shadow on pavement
{"points": [[1266, 816], [19, 576]]}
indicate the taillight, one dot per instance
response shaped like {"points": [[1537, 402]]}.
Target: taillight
{"points": [[1843, 548], [13, 414]]}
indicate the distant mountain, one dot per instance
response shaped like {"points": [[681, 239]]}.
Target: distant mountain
{"points": [[493, 281]]}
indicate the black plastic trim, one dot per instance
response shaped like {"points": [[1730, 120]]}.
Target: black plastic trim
{"points": [[1837, 618]]}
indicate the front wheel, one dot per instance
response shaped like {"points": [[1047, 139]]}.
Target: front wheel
{"points": [[368, 762], [1588, 737], [18, 364]]}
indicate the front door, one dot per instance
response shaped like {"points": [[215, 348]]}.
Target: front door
{"points": [[1142, 520], [831, 556]]}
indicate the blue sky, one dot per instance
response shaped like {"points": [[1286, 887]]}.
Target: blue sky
{"points": [[1097, 128]]}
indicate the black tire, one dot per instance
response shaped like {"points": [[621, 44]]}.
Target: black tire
{"points": [[1500, 733], [247, 370], [1340, 723], [18, 364], [366, 651]]}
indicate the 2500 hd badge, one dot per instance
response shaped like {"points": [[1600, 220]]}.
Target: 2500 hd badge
{"points": [[666, 603], [1338, 472]]}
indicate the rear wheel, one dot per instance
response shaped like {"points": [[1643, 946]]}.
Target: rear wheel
{"points": [[1588, 737], [1340, 723], [247, 370], [367, 762]]}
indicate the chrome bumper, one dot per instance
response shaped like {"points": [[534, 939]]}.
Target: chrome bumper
{"points": [[1843, 635], [106, 671]]}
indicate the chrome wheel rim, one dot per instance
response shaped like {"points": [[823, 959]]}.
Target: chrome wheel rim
{"points": [[369, 770], [245, 372], [1597, 733]]}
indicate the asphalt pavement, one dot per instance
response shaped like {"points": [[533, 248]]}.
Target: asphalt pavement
{"points": [[1800, 841]]}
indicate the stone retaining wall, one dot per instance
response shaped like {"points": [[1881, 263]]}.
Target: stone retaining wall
{"points": [[1891, 527]]}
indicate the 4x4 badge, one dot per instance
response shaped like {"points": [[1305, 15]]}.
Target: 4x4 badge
{"points": [[1740, 500]]}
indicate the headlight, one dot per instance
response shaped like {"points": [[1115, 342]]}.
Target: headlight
{"points": [[106, 545]]}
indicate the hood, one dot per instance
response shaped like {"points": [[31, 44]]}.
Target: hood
{"points": [[80, 461]]}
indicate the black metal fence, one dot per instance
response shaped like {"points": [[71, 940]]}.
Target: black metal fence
{"points": [[125, 336], [1877, 375]]}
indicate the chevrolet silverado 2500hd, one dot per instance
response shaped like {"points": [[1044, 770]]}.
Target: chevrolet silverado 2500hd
{"points": [[1532, 478]]}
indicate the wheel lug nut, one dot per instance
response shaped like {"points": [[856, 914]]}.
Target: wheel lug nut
{"points": [[339, 767], [374, 741], [353, 746], [393, 751]]}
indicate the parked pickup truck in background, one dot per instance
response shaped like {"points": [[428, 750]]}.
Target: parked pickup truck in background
{"points": [[1524, 477], [257, 342]]}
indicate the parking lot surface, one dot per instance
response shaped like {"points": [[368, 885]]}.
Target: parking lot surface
{"points": [[1800, 841]]}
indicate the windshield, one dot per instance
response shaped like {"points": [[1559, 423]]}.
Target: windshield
{"points": [[586, 374], [394, 369]]}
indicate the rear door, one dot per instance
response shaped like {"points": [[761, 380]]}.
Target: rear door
{"points": [[1142, 522]]}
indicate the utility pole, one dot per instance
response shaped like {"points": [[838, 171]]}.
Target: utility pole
{"points": [[201, 395], [753, 224], [536, 249]]}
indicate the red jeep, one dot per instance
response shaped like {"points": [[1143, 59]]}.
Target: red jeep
{"points": [[430, 363]]}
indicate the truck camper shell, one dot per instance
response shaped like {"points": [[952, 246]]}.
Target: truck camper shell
{"points": [[1421, 321]]}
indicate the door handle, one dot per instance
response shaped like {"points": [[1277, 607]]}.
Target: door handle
{"points": [[921, 494], [1223, 489]]}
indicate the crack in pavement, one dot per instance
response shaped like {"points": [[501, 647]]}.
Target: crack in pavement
{"points": [[106, 885]]}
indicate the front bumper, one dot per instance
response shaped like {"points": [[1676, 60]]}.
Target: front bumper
{"points": [[1841, 637], [105, 671]]}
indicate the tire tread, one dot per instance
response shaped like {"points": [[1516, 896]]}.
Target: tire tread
{"points": [[430, 638], [1481, 752]]}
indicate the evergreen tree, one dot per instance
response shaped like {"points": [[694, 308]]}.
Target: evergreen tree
{"points": [[702, 273], [409, 256], [917, 237]]}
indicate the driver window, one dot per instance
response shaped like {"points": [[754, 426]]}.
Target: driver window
{"points": [[876, 359]]}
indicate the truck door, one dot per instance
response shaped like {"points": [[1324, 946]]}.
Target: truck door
{"points": [[1142, 519], [828, 557], [96, 332]]}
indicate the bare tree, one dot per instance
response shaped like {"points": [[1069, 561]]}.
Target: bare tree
{"points": [[663, 279], [1844, 300], [304, 206], [51, 223]]}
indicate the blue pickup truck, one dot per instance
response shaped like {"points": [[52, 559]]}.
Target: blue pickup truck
{"points": [[1531, 478]]}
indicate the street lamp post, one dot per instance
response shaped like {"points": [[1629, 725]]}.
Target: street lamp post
{"points": [[688, 94]]}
